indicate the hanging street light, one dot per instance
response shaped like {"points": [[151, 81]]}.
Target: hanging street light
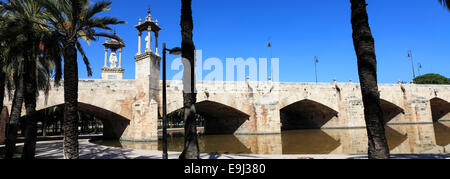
{"points": [[316, 61], [174, 51], [419, 68], [412, 62]]}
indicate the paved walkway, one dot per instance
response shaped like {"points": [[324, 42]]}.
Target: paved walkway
{"points": [[53, 150]]}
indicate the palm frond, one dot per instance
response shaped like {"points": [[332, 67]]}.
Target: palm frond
{"points": [[109, 35], [85, 59], [102, 22], [445, 3], [97, 8]]}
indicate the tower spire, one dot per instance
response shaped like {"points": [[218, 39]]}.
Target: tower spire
{"points": [[149, 16]]}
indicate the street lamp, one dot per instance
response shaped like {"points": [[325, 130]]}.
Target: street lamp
{"points": [[174, 51], [420, 67], [412, 62], [271, 57], [316, 61]]}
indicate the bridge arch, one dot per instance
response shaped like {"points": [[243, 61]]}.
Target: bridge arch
{"points": [[391, 111], [306, 114], [114, 124], [440, 109], [220, 118]]}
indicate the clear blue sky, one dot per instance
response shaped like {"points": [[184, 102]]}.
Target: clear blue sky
{"points": [[300, 30]]}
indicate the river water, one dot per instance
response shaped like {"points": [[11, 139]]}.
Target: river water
{"points": [[402, 139]]}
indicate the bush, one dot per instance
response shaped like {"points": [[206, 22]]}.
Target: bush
{"points": [[432, 79]]}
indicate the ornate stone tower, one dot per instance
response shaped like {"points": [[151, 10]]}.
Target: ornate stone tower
{"points": [[114, 71], [146, 104], [148, 63]]}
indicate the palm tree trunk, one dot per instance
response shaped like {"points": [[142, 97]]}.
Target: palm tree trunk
{"points": [[2, 87], [13, 123], [70, 125], [191, 149], [367, 67], [29, 149]]}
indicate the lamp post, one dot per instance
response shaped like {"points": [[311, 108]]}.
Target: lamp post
{"points": [[419, 67], [271, 57], [316, 61], [174, 51], [412, 62]]}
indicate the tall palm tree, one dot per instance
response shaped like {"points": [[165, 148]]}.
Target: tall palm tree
{"points": [[23, 14], [3, 48], [2, 83], [16, 72], [367, 66], [72, 20], [191, 149], [13, 66]]}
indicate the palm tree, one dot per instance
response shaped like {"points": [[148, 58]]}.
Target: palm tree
{"points": [[16, 72], [2, 83], [191, 149], [72, 20], [367, 66], [3, 49], [13, 67], [34, 69]]}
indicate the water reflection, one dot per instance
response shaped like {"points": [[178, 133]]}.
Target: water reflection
{"points": [[402, 139], [442, 131], [395, 138], [308, 142]]}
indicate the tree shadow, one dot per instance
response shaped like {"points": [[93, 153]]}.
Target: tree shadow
{"points": [[54, 150], [226, 156], [409, 156]]}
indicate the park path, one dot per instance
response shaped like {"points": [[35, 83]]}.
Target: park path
{"points": [[54, 150]]}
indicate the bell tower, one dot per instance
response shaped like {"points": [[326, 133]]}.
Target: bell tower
{"points": [[114, 71]]}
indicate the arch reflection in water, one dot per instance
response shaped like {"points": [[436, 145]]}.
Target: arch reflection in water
{"points": [[402, 139], [308, 142], [442, 131]]}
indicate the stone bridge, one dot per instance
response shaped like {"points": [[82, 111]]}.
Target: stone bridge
{"points": [[130, 109], [249, 107]]}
